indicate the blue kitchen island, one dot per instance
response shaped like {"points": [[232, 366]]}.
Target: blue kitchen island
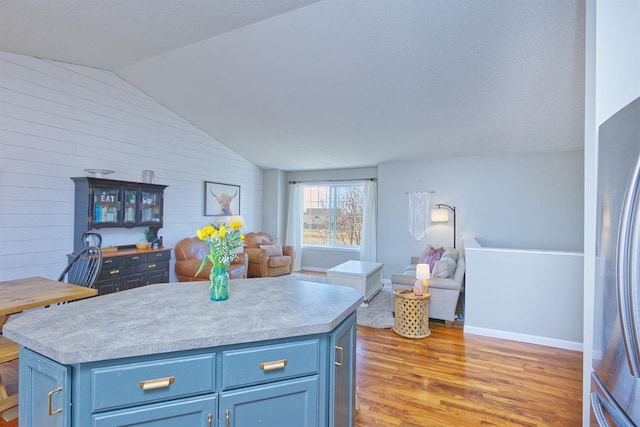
{"points": [[279, 352]]}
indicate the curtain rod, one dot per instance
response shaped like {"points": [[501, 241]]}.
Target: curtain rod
{"points": [[425, 191], [334, 180]]}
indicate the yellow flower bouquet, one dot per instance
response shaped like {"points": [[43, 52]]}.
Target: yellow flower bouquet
{"points": [[223, 242]]}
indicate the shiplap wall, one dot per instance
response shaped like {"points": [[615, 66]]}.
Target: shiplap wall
{"points": [[58, 119]]}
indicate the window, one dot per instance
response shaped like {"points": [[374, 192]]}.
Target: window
{"points": [[333, 215]]}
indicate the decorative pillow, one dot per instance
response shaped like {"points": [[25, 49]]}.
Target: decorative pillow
{"points": [[444, 268], [272, 250], [431, 256], [451, 253]]}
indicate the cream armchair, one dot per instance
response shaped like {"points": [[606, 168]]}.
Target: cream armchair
{"points": [[445, 291], [267, 258]]}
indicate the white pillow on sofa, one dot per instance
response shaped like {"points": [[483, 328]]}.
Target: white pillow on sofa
{"points": [[272, 250], [451, 253], [444, 268]]}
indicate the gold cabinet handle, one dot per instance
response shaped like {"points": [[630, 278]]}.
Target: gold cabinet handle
{"points": [[157, 383], [152, 266], [210, 419], [114, 272], [273, 365], [49, 396], [227, 418], [341, 350]]}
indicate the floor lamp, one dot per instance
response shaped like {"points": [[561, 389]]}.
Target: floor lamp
{"points": [[441, 214]]}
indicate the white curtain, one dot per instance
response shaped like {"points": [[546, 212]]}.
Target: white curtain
{"points": [[419, 208], [369, 222], [294, 222]]}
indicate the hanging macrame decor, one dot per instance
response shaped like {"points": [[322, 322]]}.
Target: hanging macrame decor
{"points": [[419, 203]]}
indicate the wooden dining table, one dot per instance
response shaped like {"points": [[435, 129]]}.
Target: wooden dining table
{"points": [[17, 296]]}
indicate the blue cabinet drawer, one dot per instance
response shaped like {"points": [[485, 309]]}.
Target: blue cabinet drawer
{"points": [[269, 363], [158, 380], [199, 411]]}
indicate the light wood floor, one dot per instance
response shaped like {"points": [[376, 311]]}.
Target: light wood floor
{"points": [[455, 380]]}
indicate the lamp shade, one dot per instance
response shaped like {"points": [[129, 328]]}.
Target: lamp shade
{"points": [[439, 215], [423, 272], [237, 218]]}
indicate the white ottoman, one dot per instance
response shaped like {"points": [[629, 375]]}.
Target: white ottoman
{"points": [[364, 277]]}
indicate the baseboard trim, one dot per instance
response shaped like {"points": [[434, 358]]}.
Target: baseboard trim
{"points": [[316, 269], [531, 339]]}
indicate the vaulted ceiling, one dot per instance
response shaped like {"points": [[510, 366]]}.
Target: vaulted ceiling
{"points": [[324, 84]]}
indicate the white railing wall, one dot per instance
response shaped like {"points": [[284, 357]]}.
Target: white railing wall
{"points": [[533, 296]]}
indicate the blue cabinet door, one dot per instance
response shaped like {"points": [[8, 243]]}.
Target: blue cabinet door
{"points": [[292, 403], [193, 412], [45, 392], [343, 371]]}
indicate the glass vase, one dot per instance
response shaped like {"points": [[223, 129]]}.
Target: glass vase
{"points": [[219, 288]]}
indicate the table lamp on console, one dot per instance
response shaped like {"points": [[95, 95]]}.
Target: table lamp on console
{"points": [[423, 274]]}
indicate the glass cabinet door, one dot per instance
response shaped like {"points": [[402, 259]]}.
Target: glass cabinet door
{"points": [[150, 207], [130, 211], [106, 206]]}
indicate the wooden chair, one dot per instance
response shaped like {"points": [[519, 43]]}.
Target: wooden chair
{"points": [[9, 351], [84, 268]]}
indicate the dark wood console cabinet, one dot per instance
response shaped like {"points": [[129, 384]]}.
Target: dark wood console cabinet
{"points": [[131, 269]]}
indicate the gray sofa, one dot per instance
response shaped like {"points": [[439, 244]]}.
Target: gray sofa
{"points": [[444, 291]]}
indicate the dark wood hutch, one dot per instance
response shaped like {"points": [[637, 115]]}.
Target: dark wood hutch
{"points": [[106, 203]]}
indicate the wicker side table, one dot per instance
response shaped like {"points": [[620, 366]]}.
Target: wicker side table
{"points": [[412, 314]]}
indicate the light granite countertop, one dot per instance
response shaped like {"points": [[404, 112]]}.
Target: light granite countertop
{"points": [[171, 317]]}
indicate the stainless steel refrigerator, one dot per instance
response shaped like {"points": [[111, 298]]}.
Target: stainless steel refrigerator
{"points": [[615, 389]]}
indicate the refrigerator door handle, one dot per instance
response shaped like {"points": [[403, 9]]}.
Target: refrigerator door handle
{"points": [[597, 406], [626, 271], [602, 402]]}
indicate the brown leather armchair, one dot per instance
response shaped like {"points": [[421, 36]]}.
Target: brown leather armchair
{"points": [[261, 263], [189, 255]]}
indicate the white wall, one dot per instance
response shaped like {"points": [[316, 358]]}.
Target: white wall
{"points": [[274, 204], [524, 295], [612, 81], [56, 120], [523, 201]]}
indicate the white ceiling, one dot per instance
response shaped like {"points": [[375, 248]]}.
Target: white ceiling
{"points": [[324, 84]]}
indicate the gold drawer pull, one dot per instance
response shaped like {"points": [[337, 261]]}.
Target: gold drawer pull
{"points": [[152, 266], [341, 350], [51, 393], [114, 272], [273, 366], [227, 418], [157, 383]]}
